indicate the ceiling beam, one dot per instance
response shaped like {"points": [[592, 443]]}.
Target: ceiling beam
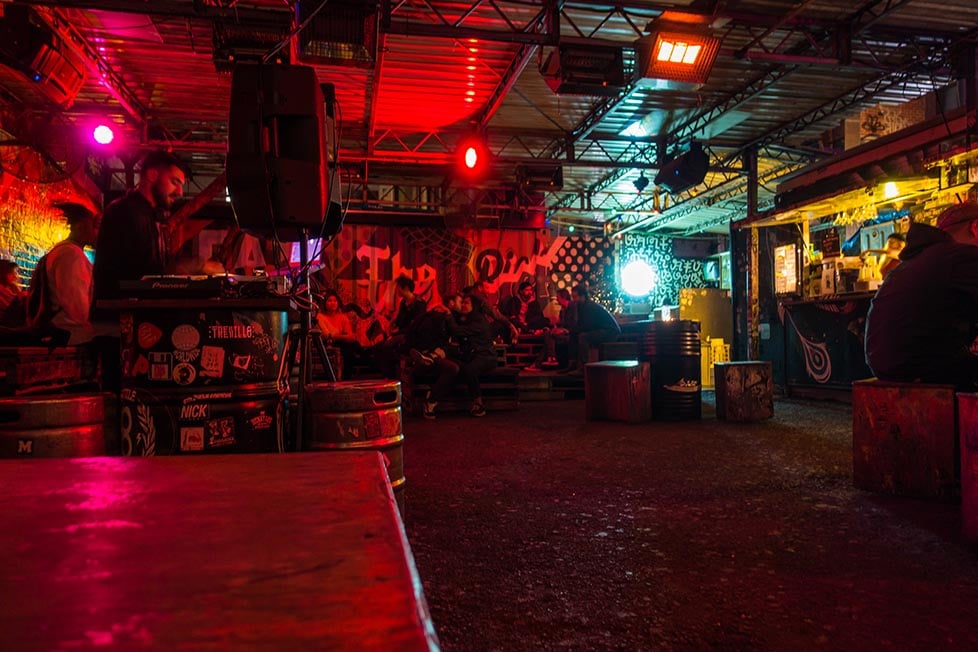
{"points": [[96, 64], [175, 9]]}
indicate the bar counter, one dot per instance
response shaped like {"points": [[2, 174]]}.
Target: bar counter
{"points": [[225, 552], [824, 342]]}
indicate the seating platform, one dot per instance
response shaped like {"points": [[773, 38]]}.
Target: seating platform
{"points": [[500, 391], [40, 370], [524, 351]]}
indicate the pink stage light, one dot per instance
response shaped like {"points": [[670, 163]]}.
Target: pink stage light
{"points": [[103, 135]]}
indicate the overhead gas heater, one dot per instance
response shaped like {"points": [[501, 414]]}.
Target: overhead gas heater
{"points": [[678, 52]]}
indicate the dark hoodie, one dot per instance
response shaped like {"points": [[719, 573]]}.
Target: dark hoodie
{"points": [[922, 320]]}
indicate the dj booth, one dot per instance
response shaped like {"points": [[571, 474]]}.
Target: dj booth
{"points": [[202, 365]]}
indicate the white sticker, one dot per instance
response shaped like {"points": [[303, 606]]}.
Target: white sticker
{"points": [[192, 439], [211, 361]]}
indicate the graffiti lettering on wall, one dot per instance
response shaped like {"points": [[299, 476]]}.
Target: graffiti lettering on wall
{"points": [[673, 273], [363, 262]]}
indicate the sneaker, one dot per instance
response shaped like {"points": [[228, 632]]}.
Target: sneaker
{"points": [[533, 367], [478, 409], [420, 358], [429, 409]]}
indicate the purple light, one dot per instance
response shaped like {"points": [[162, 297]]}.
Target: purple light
{"points": [[103, 135]]}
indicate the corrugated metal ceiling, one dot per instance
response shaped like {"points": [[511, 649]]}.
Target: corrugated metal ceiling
{"points": [[787, 73]]}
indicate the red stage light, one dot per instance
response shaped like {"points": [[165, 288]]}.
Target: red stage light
{"points": [[103, 135], [473, 157]]}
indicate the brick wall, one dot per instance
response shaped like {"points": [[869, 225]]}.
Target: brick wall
{"points": [[29, 227]]}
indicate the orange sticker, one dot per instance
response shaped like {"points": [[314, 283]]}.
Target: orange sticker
{"points": [[148, 335]]}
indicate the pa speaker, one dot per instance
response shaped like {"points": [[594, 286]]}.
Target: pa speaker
{"points": [[279, 175], [684, 172]]}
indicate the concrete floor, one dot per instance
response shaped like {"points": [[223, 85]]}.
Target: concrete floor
{"points": [[535, 530]]}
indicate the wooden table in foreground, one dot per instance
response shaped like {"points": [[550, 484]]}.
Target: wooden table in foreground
{"points": [[229, 552]]}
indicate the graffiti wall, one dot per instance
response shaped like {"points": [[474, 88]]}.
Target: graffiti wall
{"points": [[363, 261], [672, 274]]}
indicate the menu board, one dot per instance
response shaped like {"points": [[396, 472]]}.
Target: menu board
{"points": [[831, 246], [785, 269]]}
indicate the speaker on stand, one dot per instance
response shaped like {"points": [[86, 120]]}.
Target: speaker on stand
{"points": [[684, 171], [283, 181]]}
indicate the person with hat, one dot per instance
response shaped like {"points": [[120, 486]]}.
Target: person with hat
{"points": [[922, 321], [60, 294]]}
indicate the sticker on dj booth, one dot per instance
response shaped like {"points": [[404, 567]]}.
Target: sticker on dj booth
{"points": [[184, 374], [147, 335], [211, 362], [220, 432], [185, 337], [192, 439], [160, 365], [261, 422]]}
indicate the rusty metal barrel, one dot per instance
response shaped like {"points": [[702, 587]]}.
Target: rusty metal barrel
{"points": [[52, 426], [673, 350], [359, 415]]}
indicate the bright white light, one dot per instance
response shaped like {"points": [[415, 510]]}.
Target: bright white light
{"points": [[638, 278], [103, 135], [691, 54], [636, 130], [890, 190]]}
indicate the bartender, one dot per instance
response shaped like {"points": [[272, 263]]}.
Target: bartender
{"points": [[921, 323], [889, 257]]}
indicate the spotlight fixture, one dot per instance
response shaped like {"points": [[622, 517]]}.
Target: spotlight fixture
{"points": [[684, 171], [103, 135], [642, 182]]}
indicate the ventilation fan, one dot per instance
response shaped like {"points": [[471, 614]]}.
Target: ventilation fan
{"points": [[39, 148]]}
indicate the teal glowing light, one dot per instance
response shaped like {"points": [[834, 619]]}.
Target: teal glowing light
{"points": [[638, 279]]}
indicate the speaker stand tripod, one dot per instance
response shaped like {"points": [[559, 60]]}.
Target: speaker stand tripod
{"points": [[303, 339]]}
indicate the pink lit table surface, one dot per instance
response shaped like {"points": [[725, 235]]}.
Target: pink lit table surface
{"points": [[221, 552]]}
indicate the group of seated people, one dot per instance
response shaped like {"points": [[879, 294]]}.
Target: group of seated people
{"points": [[455, 340]]}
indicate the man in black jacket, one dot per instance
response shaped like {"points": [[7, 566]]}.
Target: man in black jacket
{"points": [[132, 244], [593, 325], [921, 323]]}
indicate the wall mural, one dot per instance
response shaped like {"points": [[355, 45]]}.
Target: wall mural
{"points": [[363, 261], [674, 274], [590, 259]]}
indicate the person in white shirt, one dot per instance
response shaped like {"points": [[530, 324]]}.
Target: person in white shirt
{"points": [[63, 298]]}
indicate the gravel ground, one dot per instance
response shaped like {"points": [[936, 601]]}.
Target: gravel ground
{"points": [[536, 530]]}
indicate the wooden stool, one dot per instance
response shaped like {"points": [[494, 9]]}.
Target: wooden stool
{"points": [[617, 390], [904, 440], [968, 433], [744, 391]]}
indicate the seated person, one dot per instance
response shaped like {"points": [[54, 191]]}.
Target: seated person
{"points": [[411, 307], [12, 296], [594, 325], [370, 327], [558, 336], [476, 356], [502, 328], [523, 310], [60, 295], [432, 352], [921, 323], [338, 331]]}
